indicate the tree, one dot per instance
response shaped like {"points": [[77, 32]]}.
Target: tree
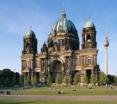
{"points": [[115, 79], [76, 79], [27, 81], [8, 78], [1, 79], [49, 80], [86, 80], [93, 79], [111, 78], [103, 79], [58, 79], [65, 79], [16, 78], [21, 80], [34, 81]]}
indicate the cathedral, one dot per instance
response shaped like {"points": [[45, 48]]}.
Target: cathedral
{"points": [[61, 54]]}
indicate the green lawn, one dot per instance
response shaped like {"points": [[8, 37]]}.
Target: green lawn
{"points": [[56, 102], [67, 91]]}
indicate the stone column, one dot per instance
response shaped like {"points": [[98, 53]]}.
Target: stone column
{"points": [[82, 69], [82, 76], [62, 72]]}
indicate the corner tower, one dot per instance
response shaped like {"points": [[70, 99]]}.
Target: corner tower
{"points": [[28, 56], [89, 53], [30, 43]]}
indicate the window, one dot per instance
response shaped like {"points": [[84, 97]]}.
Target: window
{"points": [[74, 61], [61, 42], [89, 60], [37, 64], [78, 61], [24, 64]]}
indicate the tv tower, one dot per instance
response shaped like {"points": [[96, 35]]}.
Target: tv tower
{"points": [[106, 45]]}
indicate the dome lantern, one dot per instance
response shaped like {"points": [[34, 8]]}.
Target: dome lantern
{"points": [[63, 14]]}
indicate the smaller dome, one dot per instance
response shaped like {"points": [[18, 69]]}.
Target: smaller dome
{"points": [[29, 34], [89, 24]]}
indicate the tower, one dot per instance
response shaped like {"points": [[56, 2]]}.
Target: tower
{"points": [[28, 55], [89, 52], [89, 36], [106, 45], [30, 43]]}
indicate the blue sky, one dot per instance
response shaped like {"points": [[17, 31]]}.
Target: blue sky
{"points": [[16, 16]]}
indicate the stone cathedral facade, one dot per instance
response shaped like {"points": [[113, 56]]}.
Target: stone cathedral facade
{"points": [[61, 54]]}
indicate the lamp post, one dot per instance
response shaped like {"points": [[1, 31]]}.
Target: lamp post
{"points": [[106, 45]]}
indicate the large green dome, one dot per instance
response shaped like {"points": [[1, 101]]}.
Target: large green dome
{"points": [[64, 25]]}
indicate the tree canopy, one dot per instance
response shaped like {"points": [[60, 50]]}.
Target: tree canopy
{"points": [[8, 78]]}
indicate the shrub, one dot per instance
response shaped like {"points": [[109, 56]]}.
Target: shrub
{"points": [[103, 79], [49, 80], [86, 80], [34, 81], [65, 79], [58, 79], [27, 81], [76, 79], [93, 79]]}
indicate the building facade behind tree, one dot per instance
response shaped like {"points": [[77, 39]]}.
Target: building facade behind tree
{"points": [[61, 55]]}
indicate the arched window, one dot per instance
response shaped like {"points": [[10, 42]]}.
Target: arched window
{"points": [[88, 39]]}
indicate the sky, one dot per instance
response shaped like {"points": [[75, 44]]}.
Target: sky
{"points": [[16, 16]]}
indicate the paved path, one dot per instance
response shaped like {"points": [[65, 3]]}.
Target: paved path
{"points": [[58, 97]]}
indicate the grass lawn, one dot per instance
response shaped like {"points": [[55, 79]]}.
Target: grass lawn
{"points": [[67, 91], [56, 102]]}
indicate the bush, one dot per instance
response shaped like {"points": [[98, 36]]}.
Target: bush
{"points": [[103, 79], [115, 79], [34, 81], [59, 79], [111, 78], [65, 79], [93, 79], [86, 80], [76, 79], [21, 80], [27, 81], [49, 80]]}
